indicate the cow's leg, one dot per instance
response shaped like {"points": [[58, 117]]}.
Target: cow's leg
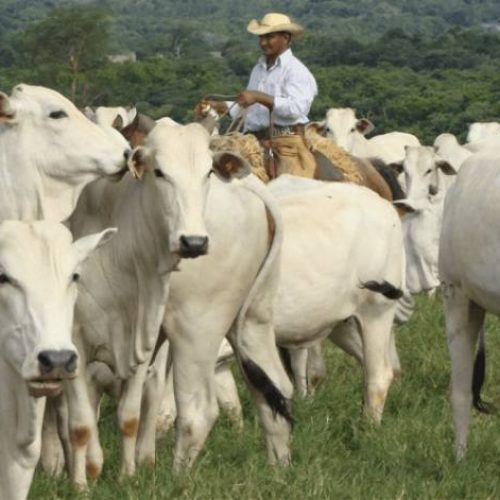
{"points": [[464, 320], [194, 357], [394, 356], [129, 412], [82, 424], [227, 395], [298, 361], [376, 326], [316, 367], [168, 410], [347, 336], [267, 379], [52, 454], [146, 440], [100, 379]]}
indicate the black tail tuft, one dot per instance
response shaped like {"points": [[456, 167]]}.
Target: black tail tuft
{"points": [[477, 383], [385, 288], [273, 396], [286, 359]]}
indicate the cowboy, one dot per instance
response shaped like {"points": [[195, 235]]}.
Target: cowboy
{"points": [[278, 97]]}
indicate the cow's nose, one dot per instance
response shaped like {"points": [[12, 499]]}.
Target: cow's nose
{"points": [[193, 246], [57, 361]]}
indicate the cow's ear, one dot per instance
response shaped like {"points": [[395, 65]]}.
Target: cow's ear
{"points": [[138, 161], [364, 126], [84, 246], [446, 167], [397, 167], [228, 165], [7, 112], [118, 122]]}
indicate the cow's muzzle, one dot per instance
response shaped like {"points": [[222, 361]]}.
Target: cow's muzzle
{"points": [[193, 246], [54, 367]]}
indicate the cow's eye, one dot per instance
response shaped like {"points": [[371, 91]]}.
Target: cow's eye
{"points": [[4, 279], [159, 173], [75, 277], [210, 172], [57, 115], [428, 171]]}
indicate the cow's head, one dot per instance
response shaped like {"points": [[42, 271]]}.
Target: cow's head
{"points": [[426, 187], [39, 266], [49, 139], [177, 159], [424, 180], [342, 127]]}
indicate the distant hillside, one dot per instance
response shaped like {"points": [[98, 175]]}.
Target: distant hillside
{"points": [[142, 23]]}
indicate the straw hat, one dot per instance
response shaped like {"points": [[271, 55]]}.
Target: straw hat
{"points": [[273, 22]]}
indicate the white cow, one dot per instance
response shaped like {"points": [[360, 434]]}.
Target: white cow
{"points": [[55, 150], [428, 178], [348, 131], [470, 274], [125, 287], [117, 117], [479, 131], [449, 149], [334, 290], [39, 268]]}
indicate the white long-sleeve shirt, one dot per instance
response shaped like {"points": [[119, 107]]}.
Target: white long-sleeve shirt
{"points": [[290, 83]]}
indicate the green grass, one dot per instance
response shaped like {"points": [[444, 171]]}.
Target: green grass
{"points": [[335, 455]]}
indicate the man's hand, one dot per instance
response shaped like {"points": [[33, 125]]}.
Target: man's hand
{"points": [[203, 107], [249, 97]]}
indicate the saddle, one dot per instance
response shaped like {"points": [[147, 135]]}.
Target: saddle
{"points": [[332, 162]]}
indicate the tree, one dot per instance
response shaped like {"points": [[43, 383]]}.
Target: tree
{"points": [[74, 36]]}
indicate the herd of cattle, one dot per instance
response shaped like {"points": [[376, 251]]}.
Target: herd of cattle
{"points": [[125, 270]]}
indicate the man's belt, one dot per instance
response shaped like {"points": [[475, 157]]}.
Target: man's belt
{"points": [[278, 131]]}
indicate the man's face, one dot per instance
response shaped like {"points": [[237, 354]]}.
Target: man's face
{"points": [[274, 44]]}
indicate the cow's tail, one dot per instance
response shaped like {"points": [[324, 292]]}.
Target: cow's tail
{"points": [[478, 377], [388, 290], [257, 377]]}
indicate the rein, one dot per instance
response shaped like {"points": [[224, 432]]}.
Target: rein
{"points": [[237, 123]]}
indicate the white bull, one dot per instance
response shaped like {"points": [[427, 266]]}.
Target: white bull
{"points": [[39, 268], [331, 270], [470, 275], [449, 149], [480, 131], [117, 117], [428, 178], [125, 287], [348, 131], [49, 151]]}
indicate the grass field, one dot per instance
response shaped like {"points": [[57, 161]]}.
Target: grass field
{"points": [[335, 455]]}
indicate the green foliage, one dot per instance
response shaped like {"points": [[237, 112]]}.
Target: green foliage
{"points": [[403, 79], [76, 35], [334, 453]]}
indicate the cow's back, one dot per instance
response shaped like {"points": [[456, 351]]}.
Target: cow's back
{"points": [[468, 253], [335, 238]]}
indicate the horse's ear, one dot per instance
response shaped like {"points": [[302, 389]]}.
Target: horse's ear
{"points": [[396, 166], [317, 127]]}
